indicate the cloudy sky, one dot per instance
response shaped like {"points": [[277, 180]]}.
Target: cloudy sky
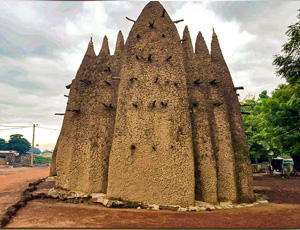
{"points": [[42, 45]]}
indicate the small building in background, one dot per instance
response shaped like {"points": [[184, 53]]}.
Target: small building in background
{"points": [[47, 154], [8, 157]]}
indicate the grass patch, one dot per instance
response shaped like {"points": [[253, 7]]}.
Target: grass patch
{"points": [[41, 160]]}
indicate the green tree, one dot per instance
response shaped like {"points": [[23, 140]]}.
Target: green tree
{"points": [[282, 112], [18, 143], [3, 144], [284, 106], [256, 127], [288, 63]]}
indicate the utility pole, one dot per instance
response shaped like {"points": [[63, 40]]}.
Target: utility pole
{"points": [[32, 144]]}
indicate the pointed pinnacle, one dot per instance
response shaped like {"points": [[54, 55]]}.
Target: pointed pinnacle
{"points": [[155, 4], [105, 48], [214, 33], [120, 43], [90, 50], [201, 47], [216, 52], [153, 10], [186, 40]]}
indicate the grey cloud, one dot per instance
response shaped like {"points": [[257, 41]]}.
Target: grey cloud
{"points": [[268, 21]]}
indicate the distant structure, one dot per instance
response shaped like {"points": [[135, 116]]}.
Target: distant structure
{"points": [[46, 154], [155, 122], [8, 157]]}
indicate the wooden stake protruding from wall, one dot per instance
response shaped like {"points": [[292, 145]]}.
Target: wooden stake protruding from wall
{"points": [[239, 88], [177, 21], [87, 82], [246, 113], [73, 110], [130, 19]]}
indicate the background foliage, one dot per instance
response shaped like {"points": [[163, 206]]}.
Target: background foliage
{"points": [[274, 123]]}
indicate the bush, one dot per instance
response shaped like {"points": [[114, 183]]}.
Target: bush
{"points": [[41, 160]]}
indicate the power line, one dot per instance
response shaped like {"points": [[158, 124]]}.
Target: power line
{"points": [[288, 132], [12, 126], [48, 128], [23, 127], [17, 128]]}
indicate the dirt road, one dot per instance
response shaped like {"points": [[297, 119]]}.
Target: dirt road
{"points": [[14, 180]]}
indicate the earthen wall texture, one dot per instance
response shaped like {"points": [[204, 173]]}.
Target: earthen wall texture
{"points": [[156, 122], [243, 171], [201, 115], [84, 166], [152, 158]]}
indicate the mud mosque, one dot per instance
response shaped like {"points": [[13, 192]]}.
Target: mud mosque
{"points": [[155, 122]]}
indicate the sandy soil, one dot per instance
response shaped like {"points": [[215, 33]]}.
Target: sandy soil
{"points": [[282, 212], [14, 180]]}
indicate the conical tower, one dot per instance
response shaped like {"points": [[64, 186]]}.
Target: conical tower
{"points": [[201, 115], [104, 52], [152, 158], [243, 171], [67, 140], [115, 61], [82, 157], [120, 44], [87, 60]]}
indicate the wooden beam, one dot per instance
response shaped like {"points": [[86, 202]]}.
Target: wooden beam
{"points": [[246, 113], [183, 40], [73, 110], [177, 21], [238, 87], [130, 19]]}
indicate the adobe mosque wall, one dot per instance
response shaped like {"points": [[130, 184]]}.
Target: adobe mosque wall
{"points": [[156, 122]]}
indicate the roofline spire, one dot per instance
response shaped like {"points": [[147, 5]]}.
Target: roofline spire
{"points": [[201, 47], [214, 33], [90, 50], [105, 47], [186, 41], [119, 43]]}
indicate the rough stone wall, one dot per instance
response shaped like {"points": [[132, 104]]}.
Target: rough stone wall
{"points": [[201, 115], [243, 171], [151, 158]]}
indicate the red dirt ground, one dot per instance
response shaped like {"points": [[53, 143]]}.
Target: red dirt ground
{"points": [[14, 180], [282, 212]]}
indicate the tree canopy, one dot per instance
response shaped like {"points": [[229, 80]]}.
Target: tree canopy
{"points": [[288, 63], [274, 123], [18, 143], [3, 144]]}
